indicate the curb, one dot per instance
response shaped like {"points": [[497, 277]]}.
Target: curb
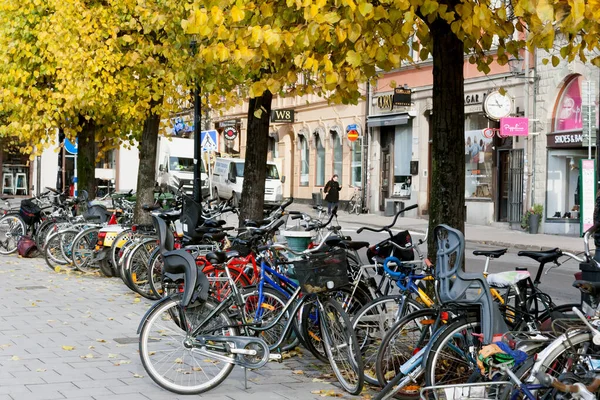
{"points": [[492, 242]]}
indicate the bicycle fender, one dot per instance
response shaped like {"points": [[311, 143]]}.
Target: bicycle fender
{"points": [[154, 306]]}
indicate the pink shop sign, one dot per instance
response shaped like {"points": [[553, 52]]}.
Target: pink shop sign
{"points": [[514, 126]]}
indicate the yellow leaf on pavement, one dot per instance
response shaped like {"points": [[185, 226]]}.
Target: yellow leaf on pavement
{"points": [[15, 358], [298, 372], [137, 376], [68, 348], [136, 300]]}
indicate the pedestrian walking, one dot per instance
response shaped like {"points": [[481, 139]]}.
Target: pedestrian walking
{"points": [[332, 191]]}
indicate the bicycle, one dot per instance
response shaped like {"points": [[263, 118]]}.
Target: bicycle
{"points": [[354, 205], [227, 349]]}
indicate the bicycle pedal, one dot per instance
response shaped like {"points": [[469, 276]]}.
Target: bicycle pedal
{"points": [[276, 356]]}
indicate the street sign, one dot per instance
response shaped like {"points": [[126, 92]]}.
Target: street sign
{"points": [[587, 194], [209, 140], [70, 147], [352, 132], [230, 133]]}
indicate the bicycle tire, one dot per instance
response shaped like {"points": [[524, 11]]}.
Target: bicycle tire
{"points": [[155, 273], [372, 322], [274, 304], [83, 250], [449, 341], [173, 336], [46, 226], [125, 251], [342, 348], [12, 227], [132, 259], [388, 361], [54, 251], [114, 249], [136, 270]]}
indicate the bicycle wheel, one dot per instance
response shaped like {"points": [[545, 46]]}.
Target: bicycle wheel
{"points": [[45, 227], [12, 227], [371, 324], [167, 356], [270, 308], [118, 243], [342, 347], [155, 266], [409, 335], [137, 268], [54, 253], [453, 354], [83, 250], [350, 206]]}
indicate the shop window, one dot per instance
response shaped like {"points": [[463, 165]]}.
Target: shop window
{"points": [[15, 171], [356, 167], [563, 183], [107, 161], [568, 112], [304, 160], [337, 155], [273, 148], [478, 157], [320, 172], [402, 158], [478, 163]]}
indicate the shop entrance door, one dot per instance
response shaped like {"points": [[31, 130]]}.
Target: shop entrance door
{"points": [[503, 186], [516, 161], [387, 149]]}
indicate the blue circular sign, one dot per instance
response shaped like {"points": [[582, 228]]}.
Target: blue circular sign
{"points": [[70, 147]]}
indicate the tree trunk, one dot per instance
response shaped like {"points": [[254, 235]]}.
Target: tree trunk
{"points": [[447, 191], [86, 158], [147, 169], [255, 170]]}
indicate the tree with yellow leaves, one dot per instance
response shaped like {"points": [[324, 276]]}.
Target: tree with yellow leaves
{"points": [[337, 44], [104, 71]]}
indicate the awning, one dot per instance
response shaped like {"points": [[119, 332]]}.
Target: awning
{"points": [[387, 120]]}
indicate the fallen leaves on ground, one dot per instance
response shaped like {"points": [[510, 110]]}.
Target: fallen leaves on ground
{"points": [[40, 370], [100, 340], [68, 348], [137, 376], [122, 362], [327, 393], [15, 358], [298, 372], [88, 356], [110, 355]]}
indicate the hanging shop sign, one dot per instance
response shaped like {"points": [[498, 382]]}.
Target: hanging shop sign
{"points": [[386, 102], [565, 140], [227, 123], [514, 126], [282, 116], [402, 97], [230, 133]]}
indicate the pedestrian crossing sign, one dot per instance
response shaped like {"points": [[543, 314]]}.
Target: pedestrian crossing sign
{"points": [[209, 140]]}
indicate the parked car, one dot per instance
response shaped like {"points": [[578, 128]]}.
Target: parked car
{"points": [[228, 178], [175, 161]]}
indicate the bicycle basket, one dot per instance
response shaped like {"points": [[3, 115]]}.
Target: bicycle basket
{"points": [[30, 212], [471, 391], [322, 272]]}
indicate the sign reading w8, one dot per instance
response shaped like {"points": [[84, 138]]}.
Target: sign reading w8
{"points": [[282, 116]]}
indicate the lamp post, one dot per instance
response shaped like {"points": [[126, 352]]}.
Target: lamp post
{"points": [[197, 138]]}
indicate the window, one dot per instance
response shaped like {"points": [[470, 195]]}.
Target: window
{"points": [[107, 161], [568, 111], [478, 160], [272, 172], [304, 157], [337, 155], [320, 176], [183, 164], [356, 167], [563, 183], [239, 170], [273, 148]]}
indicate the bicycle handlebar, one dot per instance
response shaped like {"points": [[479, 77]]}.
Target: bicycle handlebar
{"points": [[393, 274], [387, 228], [320, 225]]}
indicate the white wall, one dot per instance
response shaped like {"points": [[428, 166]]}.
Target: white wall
{"points": [[128, 165], [49, 168]]}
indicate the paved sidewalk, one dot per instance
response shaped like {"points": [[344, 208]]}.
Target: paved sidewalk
{"points": [[495, 236], [69, 336]]}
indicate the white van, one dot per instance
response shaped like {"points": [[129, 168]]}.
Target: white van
{"points": [[228, 178], [175, 161]]}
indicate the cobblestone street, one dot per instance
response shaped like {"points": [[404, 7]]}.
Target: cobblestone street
{"points": [[68, 336]]}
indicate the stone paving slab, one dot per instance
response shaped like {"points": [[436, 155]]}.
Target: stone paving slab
{"points": [[43, 310]]}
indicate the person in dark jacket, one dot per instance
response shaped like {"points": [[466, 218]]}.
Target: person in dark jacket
{"points": [[332, 191]]}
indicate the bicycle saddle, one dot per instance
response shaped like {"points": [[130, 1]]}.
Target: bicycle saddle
{"points": [[215, 237], [542, 256], [256, 223], [170, 216], [335, 241], [213, 223], [150, 207], [219, 257], [588, 287], [490, 253]]}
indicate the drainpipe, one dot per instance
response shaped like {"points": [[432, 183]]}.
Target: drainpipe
{"points": [[528, 142], [366, 163], [535, 124]]}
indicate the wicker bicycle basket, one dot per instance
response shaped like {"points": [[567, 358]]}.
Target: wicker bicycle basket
{"points": [[322, 272], [472, 391]]}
